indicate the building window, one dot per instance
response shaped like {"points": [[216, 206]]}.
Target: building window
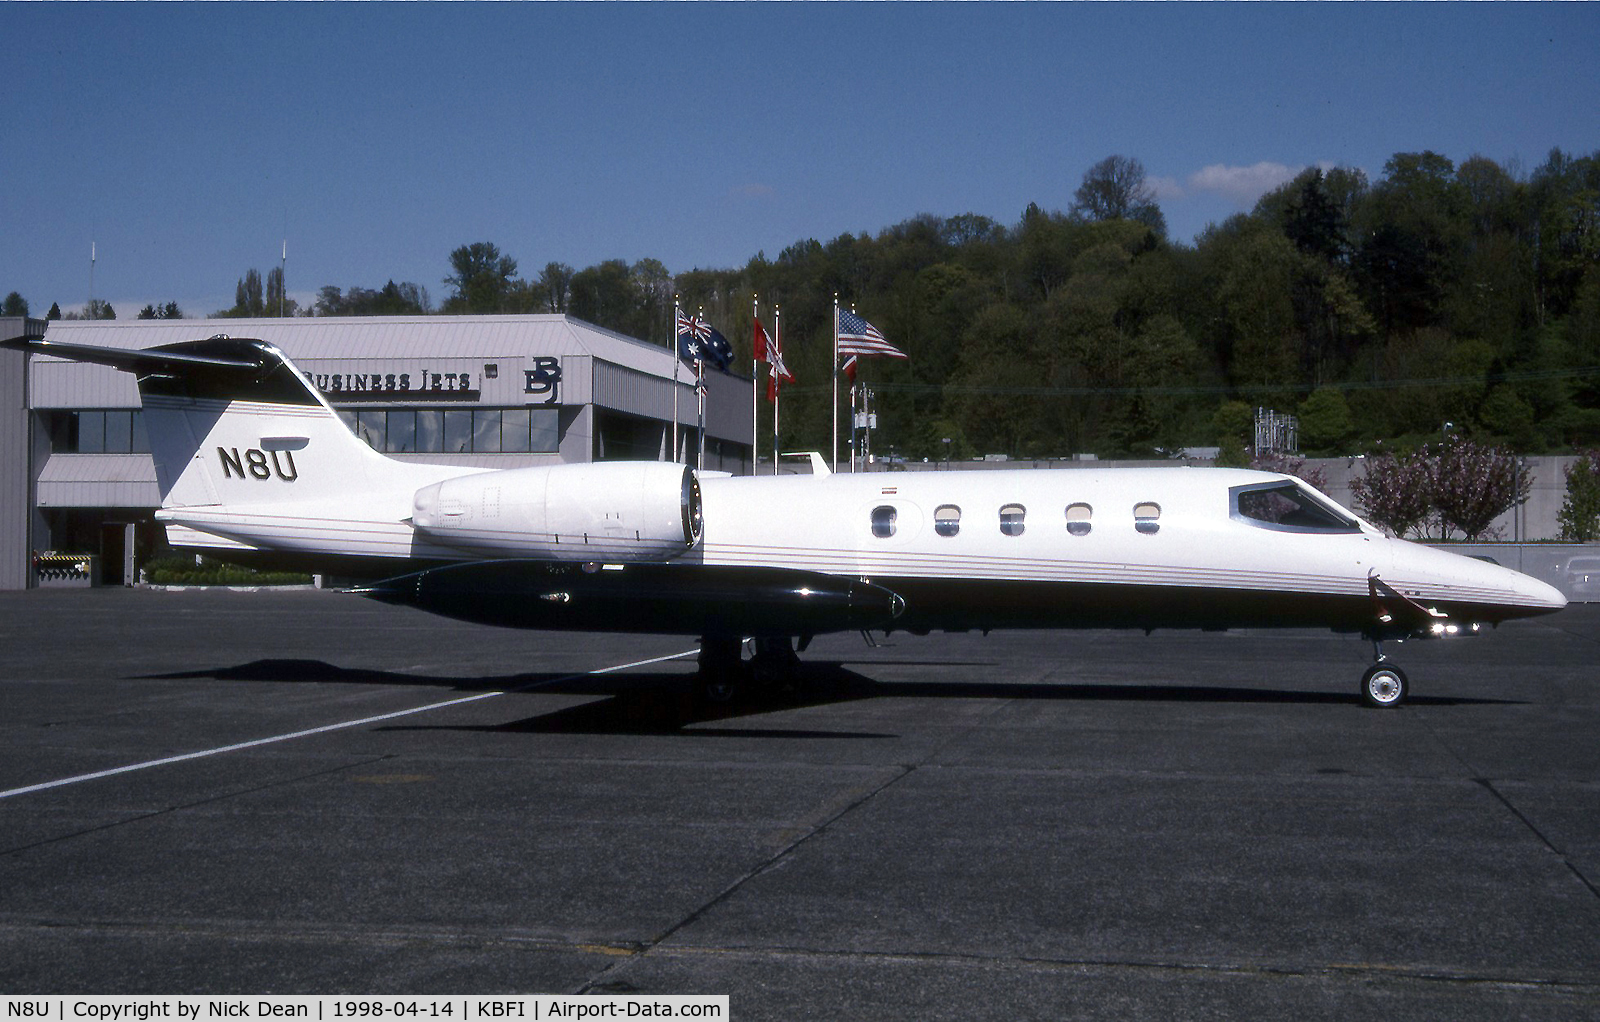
{"points": [[947, 520], [1145, 518], [108, 431], [515, 425], [1011, 519], [456, 430], [883, 521], [1078, 516]]}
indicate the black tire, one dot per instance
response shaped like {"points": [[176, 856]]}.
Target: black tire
{"points": [[1384, 686], [721, 670]]}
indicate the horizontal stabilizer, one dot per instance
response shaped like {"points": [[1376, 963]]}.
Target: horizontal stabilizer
{"points": [[134, 360], [218, 368]]}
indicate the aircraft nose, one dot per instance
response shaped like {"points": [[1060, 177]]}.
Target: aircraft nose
{"points": [[1540, 594]]}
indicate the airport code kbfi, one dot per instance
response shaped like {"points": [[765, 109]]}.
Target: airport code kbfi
{"points": [[332, 1009]]}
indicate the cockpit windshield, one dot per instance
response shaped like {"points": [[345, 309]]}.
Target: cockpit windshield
{"points": [[1286, 506]]}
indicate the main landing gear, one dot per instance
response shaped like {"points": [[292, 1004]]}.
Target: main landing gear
{"points": [[1384, 685], [723, 671]]}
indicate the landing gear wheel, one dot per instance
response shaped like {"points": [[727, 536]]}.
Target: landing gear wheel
{"points": [[721, 669], [775, 665], [1383, 686]]}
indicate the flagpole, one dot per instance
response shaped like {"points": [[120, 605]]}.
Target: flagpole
{"points": [[855, 429], [677, 321], [836, 382], [776, 384], [700, 399], [755, 378]]}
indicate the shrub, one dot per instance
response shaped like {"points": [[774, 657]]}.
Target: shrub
{"points": [[1580, 511]]}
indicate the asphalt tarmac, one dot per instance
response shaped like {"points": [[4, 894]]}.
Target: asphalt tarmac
{"points": [[337, 796]]}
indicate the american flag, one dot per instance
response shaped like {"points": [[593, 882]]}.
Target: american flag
{"points": [[858, 337]]}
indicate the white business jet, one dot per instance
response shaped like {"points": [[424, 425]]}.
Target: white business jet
{"points": [[254, 466]]}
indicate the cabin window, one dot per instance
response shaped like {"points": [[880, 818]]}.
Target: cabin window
{"points": [[883, 521], [1146, 518], [947, 520], [1078, 516], [1011, 519], [1287, 507]]}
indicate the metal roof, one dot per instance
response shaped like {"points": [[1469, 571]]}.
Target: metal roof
{"points": [[342, 337]]}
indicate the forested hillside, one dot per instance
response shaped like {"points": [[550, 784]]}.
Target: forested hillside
{"points": [[1377, 311]]}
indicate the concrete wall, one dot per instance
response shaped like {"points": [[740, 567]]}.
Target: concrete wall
{"points": [[16, 470]]}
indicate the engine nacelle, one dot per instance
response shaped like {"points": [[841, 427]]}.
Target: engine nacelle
{"points": [[606, 511]]}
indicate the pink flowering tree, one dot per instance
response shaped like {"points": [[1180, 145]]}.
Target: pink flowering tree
{"points": [[1475, 484], [1396, 491]]}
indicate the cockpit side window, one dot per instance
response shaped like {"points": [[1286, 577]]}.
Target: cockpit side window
{"points": [[1287, 507]]}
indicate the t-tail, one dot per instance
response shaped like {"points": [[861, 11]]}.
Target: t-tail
{"points": [[252, 460]]}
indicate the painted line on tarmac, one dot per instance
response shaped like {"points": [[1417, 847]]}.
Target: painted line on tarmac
{"points": [[333, 727]]}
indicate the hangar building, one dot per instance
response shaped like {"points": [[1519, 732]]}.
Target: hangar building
{"points": [[490, 391]]}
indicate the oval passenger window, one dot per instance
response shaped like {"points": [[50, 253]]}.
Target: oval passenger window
{"points": [[1011, 519], [1145, 518], [1078, 516], [883, 521], [947, 520]]}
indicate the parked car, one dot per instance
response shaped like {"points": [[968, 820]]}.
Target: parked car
{"points": [[1583, 578]]}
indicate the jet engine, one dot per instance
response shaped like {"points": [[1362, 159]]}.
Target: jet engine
{"points": [[607, 511]]}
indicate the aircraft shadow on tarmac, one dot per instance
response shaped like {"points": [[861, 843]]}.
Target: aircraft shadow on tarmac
{"points": [[665, 703]]}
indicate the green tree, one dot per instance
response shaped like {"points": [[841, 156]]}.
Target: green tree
{"points": [[1580, 509], [557, 281], [15, 305], [405, 299], [1116, 189], [277, 302], [248, 297], [168, 311], [482, 279], [1247, 285], [604, 295], [1325, 421]]}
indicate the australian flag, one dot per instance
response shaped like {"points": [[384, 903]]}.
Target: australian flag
{"points": [[699, 341]]}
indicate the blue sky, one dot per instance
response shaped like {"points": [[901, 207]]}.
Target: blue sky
{"points": [[188, 141]]}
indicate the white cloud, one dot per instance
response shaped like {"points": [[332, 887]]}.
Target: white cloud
{"points": [[1166, 189], [1243, 185]]}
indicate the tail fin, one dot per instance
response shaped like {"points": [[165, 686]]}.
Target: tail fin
{"points": [[233, 422]]}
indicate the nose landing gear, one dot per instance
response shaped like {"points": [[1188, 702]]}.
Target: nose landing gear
{"points": [[1384, 685]]}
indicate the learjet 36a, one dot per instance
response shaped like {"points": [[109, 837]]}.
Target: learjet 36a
{"points": [[254, 466]]}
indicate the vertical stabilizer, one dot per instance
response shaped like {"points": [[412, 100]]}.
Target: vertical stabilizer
{"points": [[231, 421]]}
